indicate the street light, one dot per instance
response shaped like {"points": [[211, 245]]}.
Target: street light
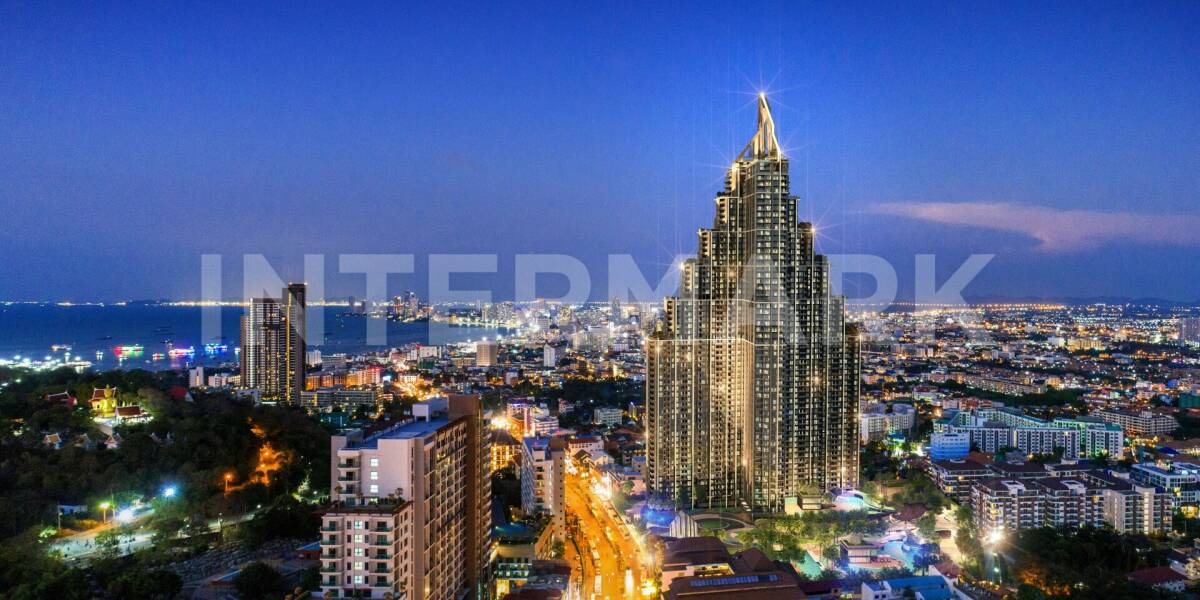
{"points": [[170, 491], [228, 477]]}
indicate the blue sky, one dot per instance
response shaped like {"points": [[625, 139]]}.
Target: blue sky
{"points": [[139, 136]]}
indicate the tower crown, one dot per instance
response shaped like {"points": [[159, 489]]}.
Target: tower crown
{"points": [[764, 144]]}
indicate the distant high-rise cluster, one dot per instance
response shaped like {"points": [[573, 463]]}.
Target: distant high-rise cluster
{"points": [[273, 347], [752, 376]]}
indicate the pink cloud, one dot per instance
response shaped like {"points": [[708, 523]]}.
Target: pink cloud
{"points": [[1058, 230]]}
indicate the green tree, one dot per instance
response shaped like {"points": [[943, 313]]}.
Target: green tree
{"points": [[259, 581], [142, 584], [927, 525]]}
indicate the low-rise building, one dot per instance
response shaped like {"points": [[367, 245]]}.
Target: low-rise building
{"points": [[701, 568]]}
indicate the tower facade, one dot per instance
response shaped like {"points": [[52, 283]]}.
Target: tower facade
{"points": [[752, 376]]}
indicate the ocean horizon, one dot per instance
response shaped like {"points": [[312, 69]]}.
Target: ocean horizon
{"points": [[39, 331]]}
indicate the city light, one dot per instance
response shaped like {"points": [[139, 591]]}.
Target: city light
{"points": [[995, 536], [169, 491], [125, 515]]}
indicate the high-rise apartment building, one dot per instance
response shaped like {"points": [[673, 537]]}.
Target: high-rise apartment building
{"points": [[1189, 330], [294, 346], [262, 347], [273, 347], [543, 478], [487, 353], [752, 375], [411, 507]]}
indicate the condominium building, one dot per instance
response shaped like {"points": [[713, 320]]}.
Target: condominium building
{"points": [[325, 398], [1139, 423], [295, 349], [878, 420], [273, 347], [949, 446], [261, 355], [607, 416], [1092, 498], [752, 374], [1181, 480], [993, 429], [1189, 330], [487, 353], [411, 507], [543, 478], [956, 477]]}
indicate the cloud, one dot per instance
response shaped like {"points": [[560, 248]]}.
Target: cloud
{"points": [[1058, 230]]}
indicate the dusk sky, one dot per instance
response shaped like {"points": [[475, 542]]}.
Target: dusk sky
{"points": [[136, 137]]}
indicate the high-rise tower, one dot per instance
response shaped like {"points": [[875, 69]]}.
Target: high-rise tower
{"points": [[294, 347], [753, 374], [262, 347], [273, 347]]}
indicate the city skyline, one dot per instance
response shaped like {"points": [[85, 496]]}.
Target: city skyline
{"points": [[1062, 145]]}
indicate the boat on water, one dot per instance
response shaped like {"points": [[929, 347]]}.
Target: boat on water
{"points": [[128, 350]]}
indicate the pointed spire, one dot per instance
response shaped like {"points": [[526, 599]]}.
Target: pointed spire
{"points": [[764, 144]]}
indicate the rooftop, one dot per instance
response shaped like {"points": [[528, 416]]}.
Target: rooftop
{"points": [[403, 431]]}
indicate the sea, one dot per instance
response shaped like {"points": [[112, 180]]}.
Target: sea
{"points": [[109, 335]]}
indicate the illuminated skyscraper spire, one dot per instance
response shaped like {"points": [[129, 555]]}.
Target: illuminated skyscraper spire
{"points": [[764, 144]]}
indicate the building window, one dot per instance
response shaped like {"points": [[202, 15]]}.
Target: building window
{"points": [[374, 462], [374, 475], [374, 489]]}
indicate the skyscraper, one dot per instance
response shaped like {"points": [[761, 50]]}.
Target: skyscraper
{"points": [[262, 347], [294, 346], [753, 373], [273, 347]]}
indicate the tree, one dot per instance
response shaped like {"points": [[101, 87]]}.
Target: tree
{"points": [[259, 581], [1029, 592], [927, 525], [923, 561], [142, 584]]}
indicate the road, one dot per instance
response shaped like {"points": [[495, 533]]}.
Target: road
{"points": [[82, 546], [608, 555]]}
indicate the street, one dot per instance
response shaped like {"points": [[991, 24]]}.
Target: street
{"points": [[611, 562]]}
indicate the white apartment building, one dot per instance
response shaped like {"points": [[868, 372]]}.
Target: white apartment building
{"points": [[876, 421], [607, 416], [1143, 423], [543, 478]]}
